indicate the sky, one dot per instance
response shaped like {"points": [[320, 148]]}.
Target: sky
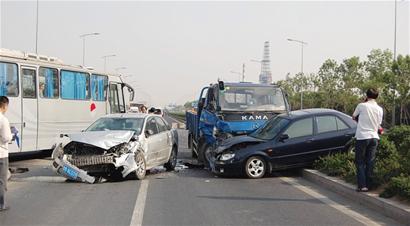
{"points": [[172, 49]]}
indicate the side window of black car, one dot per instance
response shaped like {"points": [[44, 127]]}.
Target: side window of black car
{"points": [[300, 128], [326, 124], [341, 125]]}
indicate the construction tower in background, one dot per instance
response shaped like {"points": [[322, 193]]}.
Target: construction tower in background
{"points": [[265, 76]]}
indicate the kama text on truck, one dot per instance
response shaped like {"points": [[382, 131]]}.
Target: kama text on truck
{"points": [[230, 109]]}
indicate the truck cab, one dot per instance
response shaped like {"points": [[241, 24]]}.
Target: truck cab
{"points": [[231, 109]]}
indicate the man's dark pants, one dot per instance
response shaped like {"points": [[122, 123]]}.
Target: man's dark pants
{"points": [[365, 155], [4, 169]]}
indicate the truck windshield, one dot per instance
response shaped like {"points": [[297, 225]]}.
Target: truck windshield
{"points": [[237, 98]]}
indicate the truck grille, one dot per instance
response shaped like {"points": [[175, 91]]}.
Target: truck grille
{"points": [[90, 160]]}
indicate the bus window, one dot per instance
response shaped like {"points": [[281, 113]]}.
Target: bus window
{"points": [[28, 78], [8, 80], [99, 87], [48, 83], [114, 99], [74, 85]]}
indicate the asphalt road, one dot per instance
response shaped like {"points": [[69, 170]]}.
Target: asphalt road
{"points": [[188, 196]]}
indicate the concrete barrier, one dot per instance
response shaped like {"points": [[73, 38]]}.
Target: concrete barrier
{"points": [[387, 207]]}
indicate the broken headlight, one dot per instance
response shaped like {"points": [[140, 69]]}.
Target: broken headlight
{"points": [[227, 156]]}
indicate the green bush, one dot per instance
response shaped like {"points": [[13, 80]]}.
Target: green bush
{"points": [[399, 185], [398, 134], [387, 164], [338, 164]]}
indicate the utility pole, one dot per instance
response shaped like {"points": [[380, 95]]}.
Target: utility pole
{"points": [[302, 43], [243, 72], [393, 115]]}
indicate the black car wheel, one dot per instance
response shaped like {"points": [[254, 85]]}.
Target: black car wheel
{"points": [[141, 166], [172, 162], [255, 167]]}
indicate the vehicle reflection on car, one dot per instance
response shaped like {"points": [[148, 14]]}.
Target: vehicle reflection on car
{"points": [[289, 140]]}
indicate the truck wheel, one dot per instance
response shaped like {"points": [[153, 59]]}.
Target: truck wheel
{"points": [[194, 155], [141, 166], [190, 141], [172, 162], [202, 154], [255, 167]]}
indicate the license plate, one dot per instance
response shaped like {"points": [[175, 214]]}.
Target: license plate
{"points": [[70, 172]]}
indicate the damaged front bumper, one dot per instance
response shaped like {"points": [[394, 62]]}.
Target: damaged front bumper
{"points": [[228, 167], [73, 167], [66, 169]]}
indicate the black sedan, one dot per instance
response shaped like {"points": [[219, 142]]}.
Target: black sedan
{"points": [[286, 141]]}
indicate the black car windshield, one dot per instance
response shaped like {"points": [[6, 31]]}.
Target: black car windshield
{"points": [[248, 98], [270, 129], [106, 124]]}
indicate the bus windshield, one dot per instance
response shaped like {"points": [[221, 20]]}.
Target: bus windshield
{"points": [[248, 98], [106, 124]]}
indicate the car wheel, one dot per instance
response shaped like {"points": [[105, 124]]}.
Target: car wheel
{"points": [[255, 167], [172, 162], [141, 166]]}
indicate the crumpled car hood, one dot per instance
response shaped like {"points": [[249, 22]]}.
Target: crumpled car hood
{"points": [[237, 140], [102, 139]]}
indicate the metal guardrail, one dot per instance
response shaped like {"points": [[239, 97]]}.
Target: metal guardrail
{"points": [[178, 116]]}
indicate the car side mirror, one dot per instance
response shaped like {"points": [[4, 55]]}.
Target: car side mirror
{"points": [[134, 138], [283, 137], [149, 133], [201, 103], [221, 85]]}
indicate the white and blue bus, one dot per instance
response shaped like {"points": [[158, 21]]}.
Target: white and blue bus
{"points": [[48, 98]]}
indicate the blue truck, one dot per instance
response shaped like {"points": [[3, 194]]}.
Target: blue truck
{"points": [[231, 109]]}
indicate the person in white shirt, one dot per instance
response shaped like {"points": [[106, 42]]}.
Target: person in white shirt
{"points": [[369, 116], [5, 139]]}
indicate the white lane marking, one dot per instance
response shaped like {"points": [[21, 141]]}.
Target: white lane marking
{"points": [[138, 212], [50, 179], [362, 219]]}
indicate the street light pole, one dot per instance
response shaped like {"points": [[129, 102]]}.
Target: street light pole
{"points": [[105, 60], [302, 43], [83, 37], [240, 74], [119, 68], [37, 27]]}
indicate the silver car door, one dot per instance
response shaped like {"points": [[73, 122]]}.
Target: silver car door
{"points": [[166, 143], [153, 141]]}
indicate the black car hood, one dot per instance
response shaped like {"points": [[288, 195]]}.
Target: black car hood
{"points": [[237, 140]]}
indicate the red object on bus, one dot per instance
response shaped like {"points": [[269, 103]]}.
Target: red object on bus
{"points": [[92, 107]]}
